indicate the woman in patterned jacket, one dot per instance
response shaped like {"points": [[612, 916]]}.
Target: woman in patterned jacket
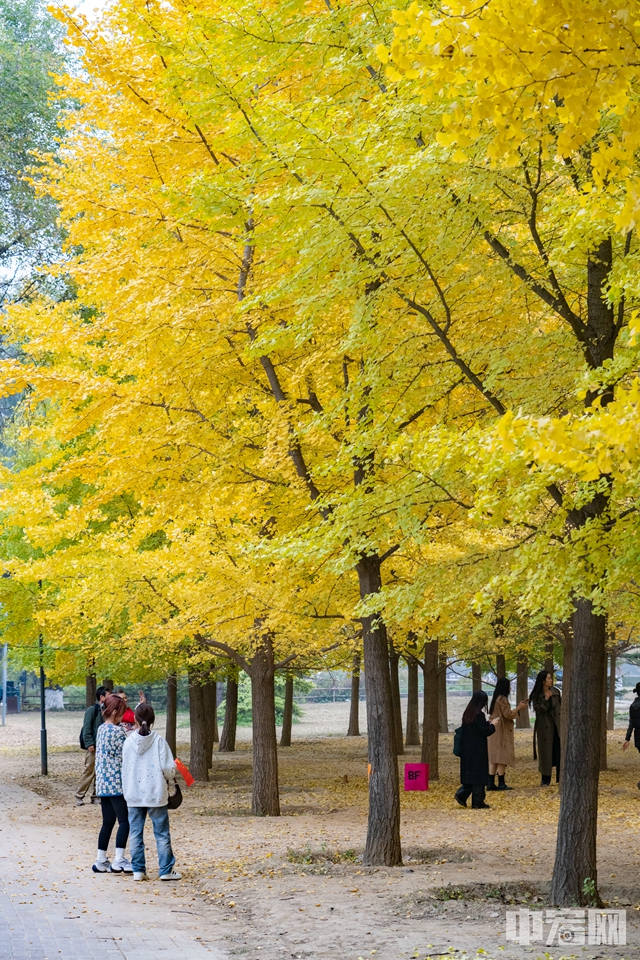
{"points": [[109, 742]]}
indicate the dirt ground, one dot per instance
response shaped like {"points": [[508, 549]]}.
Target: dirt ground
{"points": [[295, 887]]}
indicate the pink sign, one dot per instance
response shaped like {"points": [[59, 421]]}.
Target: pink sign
{"points": [[416, 776]]}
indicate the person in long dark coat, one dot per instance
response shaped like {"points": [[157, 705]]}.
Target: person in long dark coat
{"points": [[546, 701], [634, 723], [474, 756]]}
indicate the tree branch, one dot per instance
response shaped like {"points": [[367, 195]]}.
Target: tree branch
{"points": [[555, 301], [389, 553], [158, 594], [209, 150], [279, 395], [439, 331], [225, 648], [453, 353], [283, 663]]}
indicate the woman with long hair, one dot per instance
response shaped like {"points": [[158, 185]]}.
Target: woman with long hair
{"points": [[502, 747], [147, 767], [474, 758], [546, 701], [109, 742]]}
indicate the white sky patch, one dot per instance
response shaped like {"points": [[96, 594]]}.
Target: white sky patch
{"points": [[90, 8]]}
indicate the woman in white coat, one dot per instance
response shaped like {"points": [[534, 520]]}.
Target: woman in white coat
{"points": [[147, 766]]}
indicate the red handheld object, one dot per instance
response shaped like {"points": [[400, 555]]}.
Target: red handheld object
{"points": [[184, 770]]}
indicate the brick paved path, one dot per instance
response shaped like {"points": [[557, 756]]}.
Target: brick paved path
{"points": [[53, 906]]}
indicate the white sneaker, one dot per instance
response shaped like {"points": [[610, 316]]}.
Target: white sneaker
{"points": [[174, 875], [121, 866], [79, 801], [140, 876], [101, 866]]}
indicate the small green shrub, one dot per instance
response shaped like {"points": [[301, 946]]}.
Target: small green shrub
{"points": [[245, 715], [322, 856]]}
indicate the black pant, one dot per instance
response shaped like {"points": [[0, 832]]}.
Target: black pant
{"points": [[113, 808], [477, 791]]}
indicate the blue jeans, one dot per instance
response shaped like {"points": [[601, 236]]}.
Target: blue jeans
{"points": [[159, 817]]}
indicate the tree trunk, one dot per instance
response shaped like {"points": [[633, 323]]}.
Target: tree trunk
{"points": [[197, 716], [90, 689], [107, 683], [430, 723], [476, 677], [522, 693], [443, 718], [501, 666], [287, 718], [228, 738], [549, 661], [611, 710], [210, 700], [265, 800], [413, 718], [171, 729], [354, 713], [394, 664], [575, 861], [383, 831], [603, 721]]}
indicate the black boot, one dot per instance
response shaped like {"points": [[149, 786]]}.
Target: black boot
{"points": [[462, 800], [546, 781], [492, 782], [501, 784]]}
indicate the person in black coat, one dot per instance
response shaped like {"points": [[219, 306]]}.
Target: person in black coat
{"points": [[634, 723], [546, 700], [474, 755]]}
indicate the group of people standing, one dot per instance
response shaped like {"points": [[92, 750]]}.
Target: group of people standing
{"points": [[92, 720], [133, 768], [487, 746]]}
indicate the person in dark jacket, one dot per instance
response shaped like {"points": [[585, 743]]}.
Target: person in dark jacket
{"points": [[474, 755], [634, 723], [92, 720], [546, 701]]}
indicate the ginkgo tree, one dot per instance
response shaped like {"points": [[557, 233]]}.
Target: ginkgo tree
{"points": [[269, 405], [538, 114]]}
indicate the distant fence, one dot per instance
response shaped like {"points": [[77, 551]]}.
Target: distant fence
{"points": [[337, 694], [31, 703], [340, 694]]}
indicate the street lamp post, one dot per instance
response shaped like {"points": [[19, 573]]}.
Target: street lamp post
{"points": [[44, 770]]}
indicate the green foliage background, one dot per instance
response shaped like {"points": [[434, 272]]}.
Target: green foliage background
{"points": [[245, 715]]}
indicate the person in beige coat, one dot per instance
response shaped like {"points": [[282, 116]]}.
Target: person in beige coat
{"points": [[502, 749]]}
